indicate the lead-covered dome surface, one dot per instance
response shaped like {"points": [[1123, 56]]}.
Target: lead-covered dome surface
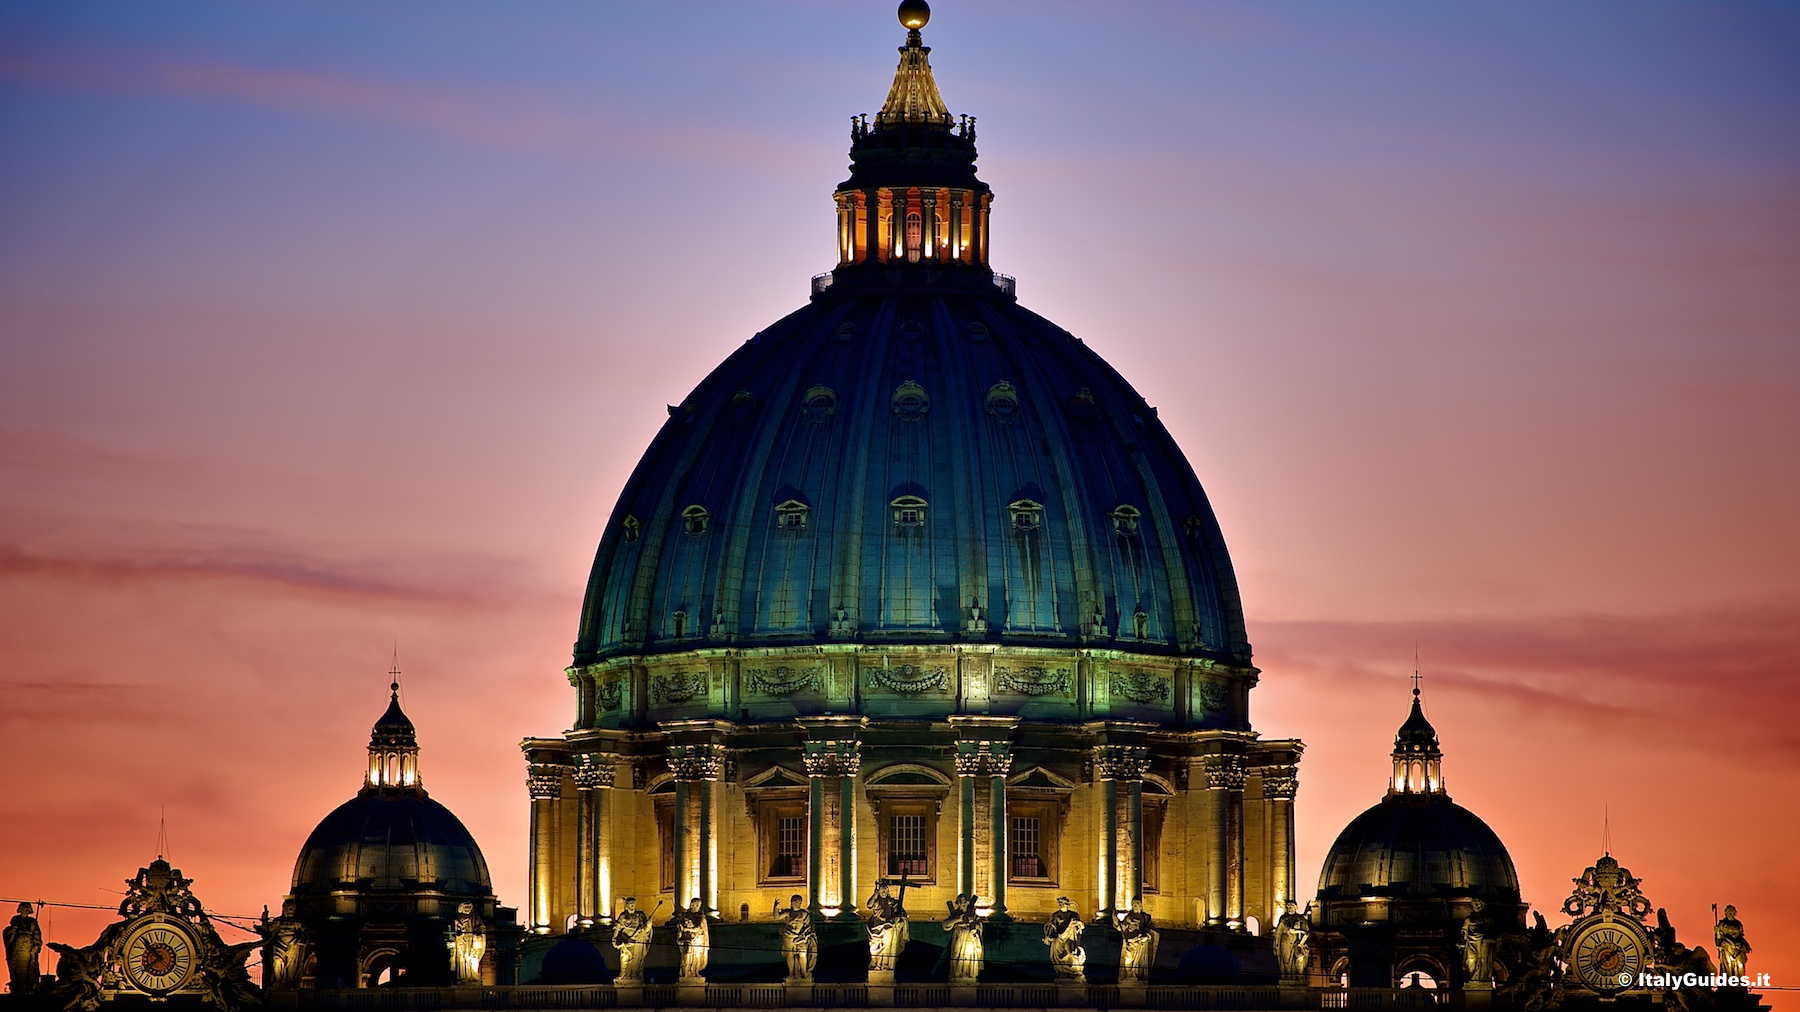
{"points": [[388, 841], [1418, 847], [913, 465]]}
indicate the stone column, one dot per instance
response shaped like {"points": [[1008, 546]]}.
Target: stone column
{"points": [[1120, 770], [543, 781], [593, 782], [1225, 865], [697, 768], [981, 769], [1280, 784], [831, 769]]}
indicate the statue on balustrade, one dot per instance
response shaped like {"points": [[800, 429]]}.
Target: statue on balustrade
{"points": [[886, 923], [78, 971], [1479, 945], [1734, 950], [1137, 944], [468, 942], [1062, 933], [284, 950], [631, 936], [963, 926], [24, 941], [799, 940], [1670, 955], [223, 974], [1293, 941], [693, 939]]}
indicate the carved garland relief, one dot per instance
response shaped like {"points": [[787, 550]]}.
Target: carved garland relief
{"points": [[1140, 686], [911, 679], [782, 681], [1033, 681], [678, 686]]}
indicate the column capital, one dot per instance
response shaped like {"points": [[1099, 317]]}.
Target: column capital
{"points": [[977, 758], [832, 758], [696, 762], [1121, 762], [1224, 771], [1281, 782], [543, 781], [593, 771]]}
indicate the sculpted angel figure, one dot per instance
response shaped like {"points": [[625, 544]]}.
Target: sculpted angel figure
{"points": [[1062, 933]]}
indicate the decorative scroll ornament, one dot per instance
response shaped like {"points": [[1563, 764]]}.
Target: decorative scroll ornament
{"points": [[593, 772], [911, 679], [1606, 886], [1281, 781], [692, 763], [782, 681], [1121, 762], [159, 889], [983, 759], [1033, 681], [543, 781], [1223, 772], [678, 686], [609, 694], [1212, 696], [1140, 686]]}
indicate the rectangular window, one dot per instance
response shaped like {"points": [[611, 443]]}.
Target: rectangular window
{"points": [[665, 831], [1153, 827], [907, 853], [781, 829], [1027, 858], [789, 859]]}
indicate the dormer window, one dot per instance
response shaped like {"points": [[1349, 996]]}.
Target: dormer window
{"points": [[1027, 516], [1125, 521], [910, 401], [1002, 401], [819, 403], [790, 516], [696, 520], [630, 529], [909, 513]]}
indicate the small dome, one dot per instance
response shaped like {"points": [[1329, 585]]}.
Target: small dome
{"points": [[1418, 846], [391, 842], [394, 720]]}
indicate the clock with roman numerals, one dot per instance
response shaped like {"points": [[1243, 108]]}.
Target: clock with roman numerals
{"points": [[158, 955], [1608, 954]]}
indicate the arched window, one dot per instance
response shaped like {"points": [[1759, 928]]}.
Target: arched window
{"points": [[1125, 521], [910, 401], [909, 513], [914, 236], [696, 520], [819, 403]]}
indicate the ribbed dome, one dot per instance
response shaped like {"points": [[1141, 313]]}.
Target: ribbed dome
{"points": [[921, 462], [390, 841], [1418, 846]]}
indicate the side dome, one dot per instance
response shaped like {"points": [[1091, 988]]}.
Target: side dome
{"points": [[913, 466], [1418, 847], [387, 842]]}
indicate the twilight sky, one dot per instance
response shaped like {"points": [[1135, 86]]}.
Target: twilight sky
{"points": [[328, 326]]}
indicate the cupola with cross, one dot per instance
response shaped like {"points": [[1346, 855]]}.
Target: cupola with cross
{"points": [[1418, 762]]}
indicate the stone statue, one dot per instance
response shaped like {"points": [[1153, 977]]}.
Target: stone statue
{"points": [[78, 973], [1532, 985], [284, 950], [1062, 933], [799, 940], [886, 922], [963, 926], [631, 936], [1293, 941], [1137, 943], [1478, 946], [468, 943], [1670, 955], [693, 939], [222, 973], [24, 941], [1734, 950]]}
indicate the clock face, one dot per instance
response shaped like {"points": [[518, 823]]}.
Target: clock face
{"points": [[1608, 956], [158, 956]]}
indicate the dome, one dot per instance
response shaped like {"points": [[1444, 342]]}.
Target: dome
{"points": [[893, 465], [384, 841], [1418, 847]]}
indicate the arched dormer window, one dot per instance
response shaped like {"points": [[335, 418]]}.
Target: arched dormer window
{"points": [[791, 516], [1125, 521], [696, 520], [1027, 516], [819, 403], [630, 529], [1002, 401], [909, 513]]}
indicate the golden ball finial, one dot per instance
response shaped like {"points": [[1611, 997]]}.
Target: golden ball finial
{"points": [[914, 14]]}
